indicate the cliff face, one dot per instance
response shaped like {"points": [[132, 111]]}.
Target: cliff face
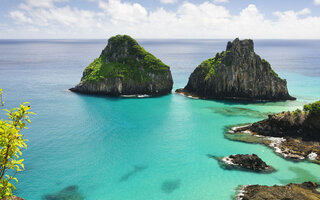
{"points": [[304, 191], [125, 68], [294, 135], [295, 124], [237, 73]]}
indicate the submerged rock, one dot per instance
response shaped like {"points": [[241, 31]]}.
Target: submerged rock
{"points": [[68, 193], [245, 162], [293, 135], [304, 191], [125, 68], [237, 73]]}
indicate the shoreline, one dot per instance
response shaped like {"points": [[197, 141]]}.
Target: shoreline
{"points": [[280, 145]]}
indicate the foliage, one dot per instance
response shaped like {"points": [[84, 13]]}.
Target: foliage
{"points": [[124, 58], [11, 144], [313, 108], [297, 112], [210, 64], [268, 64], [1, 102]]}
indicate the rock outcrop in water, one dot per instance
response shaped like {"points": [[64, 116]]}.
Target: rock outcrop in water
{"points": [[125, 68], [304, 191], [244, 162], [294, 135], [237, 73]]}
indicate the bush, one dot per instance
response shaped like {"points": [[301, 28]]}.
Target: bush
{"points": [[11, 144], [313, 108]]}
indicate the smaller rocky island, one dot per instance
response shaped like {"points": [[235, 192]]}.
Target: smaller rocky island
{"points": [[124, 68], [244, 162], [304, 191], [294, 135], [237, 73]]}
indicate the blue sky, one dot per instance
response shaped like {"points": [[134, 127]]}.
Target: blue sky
{"points": [[288, 19]]}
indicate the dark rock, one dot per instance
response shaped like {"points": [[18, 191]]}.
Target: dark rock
{"points": [[304, 191], [290, 124], [125, 68], [237, 73], [294, 135], [245, 162]]}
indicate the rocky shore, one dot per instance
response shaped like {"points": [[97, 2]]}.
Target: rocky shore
{"points": [[294, 135], [244, 162], [237, 73], [304, 191], [124, 68]]}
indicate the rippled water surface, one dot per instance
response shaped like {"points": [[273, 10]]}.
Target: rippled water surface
{"points": [[94, 148]]}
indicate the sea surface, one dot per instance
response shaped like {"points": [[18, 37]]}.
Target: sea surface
{"points": [[144, 149]]}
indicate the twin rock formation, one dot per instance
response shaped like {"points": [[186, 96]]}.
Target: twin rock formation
{"points": [[125, 68]]}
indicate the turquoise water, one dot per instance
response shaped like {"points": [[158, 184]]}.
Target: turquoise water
{"points": [[154, 148]]}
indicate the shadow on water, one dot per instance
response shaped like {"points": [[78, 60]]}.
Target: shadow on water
{"points": [[68, 193], [115, 98], [238, 111], [136, 169], [169, 186], [302, 175]]}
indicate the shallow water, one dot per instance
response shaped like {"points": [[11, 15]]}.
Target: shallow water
{"points": [[152, 148]]}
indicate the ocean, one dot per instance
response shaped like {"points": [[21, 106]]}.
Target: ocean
{"points": [[151, 148]]}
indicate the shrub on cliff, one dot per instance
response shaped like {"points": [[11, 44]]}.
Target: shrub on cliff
{"points": [[313, 108]]}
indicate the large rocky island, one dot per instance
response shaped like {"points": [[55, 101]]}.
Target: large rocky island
{"points": [[294, 135], [237, 73], [125, 68]]}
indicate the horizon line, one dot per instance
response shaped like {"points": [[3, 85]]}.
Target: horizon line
{"points": [[161, 38]]}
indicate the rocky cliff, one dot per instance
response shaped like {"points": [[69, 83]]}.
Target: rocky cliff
{"points": [[294, 135], [125, 68], [298, 124], [237, 73], [304, 191]]}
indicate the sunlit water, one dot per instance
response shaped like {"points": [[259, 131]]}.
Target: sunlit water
{"points": [[153, 148]]}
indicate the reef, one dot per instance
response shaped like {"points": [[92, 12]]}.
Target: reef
{"points": [[244, 162], [68, 193]]}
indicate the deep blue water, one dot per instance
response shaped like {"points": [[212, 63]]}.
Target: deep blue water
{"points": [[153, 148]]}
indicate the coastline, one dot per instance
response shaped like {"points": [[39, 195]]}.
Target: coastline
{"points": [[280, 145]]}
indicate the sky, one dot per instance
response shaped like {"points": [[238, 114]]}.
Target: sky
{"points": [[215, 19]]}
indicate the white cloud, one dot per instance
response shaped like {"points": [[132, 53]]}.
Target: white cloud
{"points": [[168, 1], [305, 11], [124, 12], [316, 2], [189, 20], [40, 4], [220, 1]]}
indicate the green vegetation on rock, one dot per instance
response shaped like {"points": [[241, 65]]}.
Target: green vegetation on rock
{"points": [[313, 108], [124, 58], [210, 66], [268, 64]]}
